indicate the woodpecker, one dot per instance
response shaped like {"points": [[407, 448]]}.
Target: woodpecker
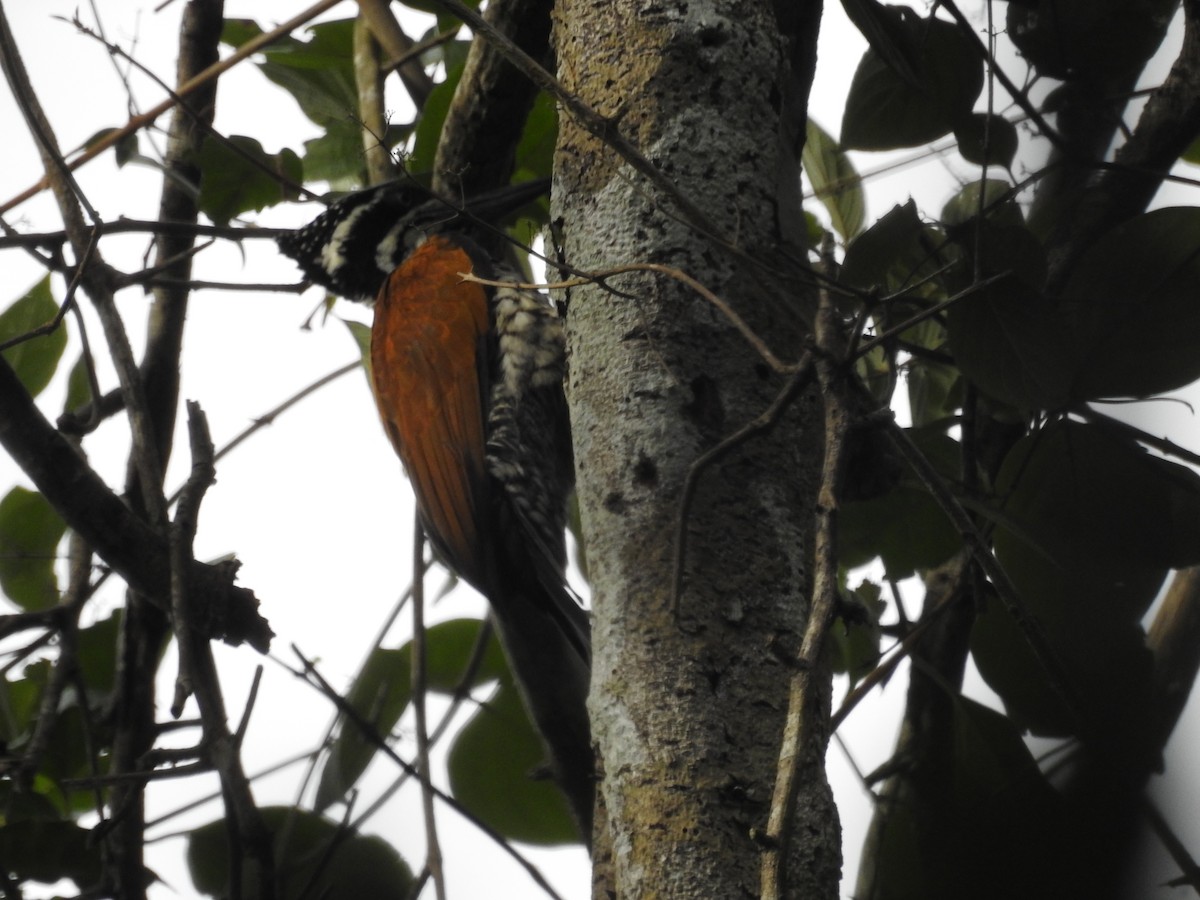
{"points": [[468, 380]]}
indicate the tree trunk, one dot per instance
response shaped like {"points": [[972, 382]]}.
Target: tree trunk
{"points": [[688, 702]]}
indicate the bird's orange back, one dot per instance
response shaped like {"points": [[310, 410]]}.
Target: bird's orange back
{"points": [[430, 371]]}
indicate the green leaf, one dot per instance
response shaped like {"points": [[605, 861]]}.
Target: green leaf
{"points": [[318, 73], [30, 531], [97, 657], [380, 694], [895, 253], [492, 767], [1192, 153], [885, 112], [1011, 342], [1104, 40], [336, 156], [934, 391], [834, 181], [997, 204], [237, 175], [429, 125], [125, 149], [855, 644], [314, 857], [1108, 669], [883, 27], [987, 140], [1132, 299], [1090, 525], [48, 851], [79, 391], [20, 699], [33, 360], [450, 649], [362, 338], [1099, 506], [19, 805], [382, 691], [978, 819], [905, 528], [990, 755], [535, 150], [67, 751]]}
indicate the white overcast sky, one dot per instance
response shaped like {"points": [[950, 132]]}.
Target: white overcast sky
{"points": [[315, 506]]}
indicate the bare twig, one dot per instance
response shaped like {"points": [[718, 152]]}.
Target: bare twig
{"points": [[803, 728], [95, 276], [214, 71], [368, 77], [751, 337], [399, 47], [125, 541], [433, 849], [137, 226], [1178, 850], [1019, 96], [929, 313], [885, 669], [1163, 445], [1056, 673], [197, 668], [310, 674]]}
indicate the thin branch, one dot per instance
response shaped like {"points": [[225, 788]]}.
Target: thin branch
{"points": [[884, 670], [310, 674], [212, 72], [96, 277], [201, 118], [1019, 97], [139, 226], [749, 334], [249, 834], [937, 309], [1035, 637], [125, 541], [241, 287], [803, 726], [372, 117], [63, 673], [433, 849], [1178, 850], [461, 693], [1163, 445], [421, 47], [216, 795], [486, 117], [403, 53], [67, 304]]}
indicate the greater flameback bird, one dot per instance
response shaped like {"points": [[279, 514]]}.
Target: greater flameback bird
{"points": [[469, 384]]}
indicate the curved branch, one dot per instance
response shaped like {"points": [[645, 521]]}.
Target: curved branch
{"points": [[1169, 123], [127, 543], [491, 103]]}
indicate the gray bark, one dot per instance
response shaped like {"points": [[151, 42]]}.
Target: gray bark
{"points": [[688, 708]]}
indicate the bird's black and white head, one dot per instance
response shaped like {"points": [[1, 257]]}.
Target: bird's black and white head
{"points": [[356, 243]]}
